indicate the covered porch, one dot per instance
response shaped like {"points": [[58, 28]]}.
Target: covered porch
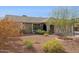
{"points": [[42, 26]]}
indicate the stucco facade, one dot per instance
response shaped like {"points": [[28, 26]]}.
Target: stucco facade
{"points": [[27, 25]]}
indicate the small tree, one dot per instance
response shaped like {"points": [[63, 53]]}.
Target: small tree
{"points": [[64, 18]]}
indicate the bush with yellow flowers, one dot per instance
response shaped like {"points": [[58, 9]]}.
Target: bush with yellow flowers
{"points": [[53, 46]]}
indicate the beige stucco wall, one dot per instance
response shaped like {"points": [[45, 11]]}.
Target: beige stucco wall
{"points": [[27, 27]]}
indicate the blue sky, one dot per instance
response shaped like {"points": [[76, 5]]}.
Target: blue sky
{"points": [[35, 11]]}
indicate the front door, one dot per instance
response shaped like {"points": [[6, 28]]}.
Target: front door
{"points": [[44, 27]]}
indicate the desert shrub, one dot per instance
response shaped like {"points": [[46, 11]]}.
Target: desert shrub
{"points": [[8, 28], [39, 31], [53, 46], [46, 33], [28, 43], [24, 31], [67, 37]]}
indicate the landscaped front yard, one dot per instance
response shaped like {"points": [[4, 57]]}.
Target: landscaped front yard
{"points": [[38, 41], [70, 45]]}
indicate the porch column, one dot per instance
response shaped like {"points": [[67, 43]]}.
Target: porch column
{"points": [[48, 28], [32, 28], [72, 31]]}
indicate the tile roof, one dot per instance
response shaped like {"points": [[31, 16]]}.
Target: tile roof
{"points": [[26, 19]]}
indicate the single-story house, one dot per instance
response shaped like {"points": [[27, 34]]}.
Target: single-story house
{"points": [[31, 24]]}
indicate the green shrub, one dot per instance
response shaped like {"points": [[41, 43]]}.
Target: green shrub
{"points": [[28, 43], [39, 31], [53, 46]]}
